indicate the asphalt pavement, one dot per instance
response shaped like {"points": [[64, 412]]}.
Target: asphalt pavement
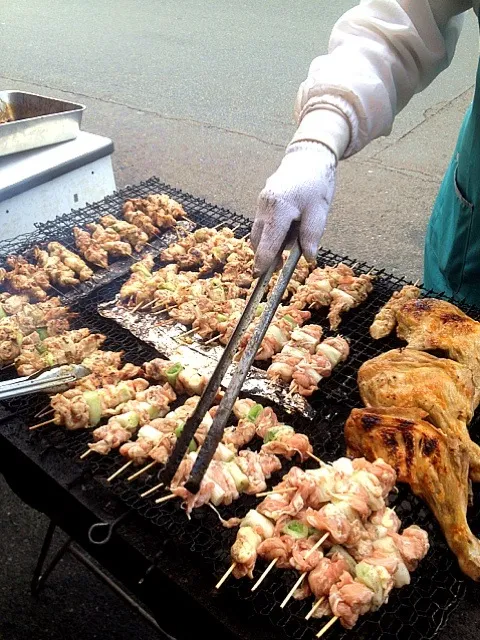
{"points": [[201, 95]]}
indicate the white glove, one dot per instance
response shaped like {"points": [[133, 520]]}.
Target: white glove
{"points": [[301, 189]]}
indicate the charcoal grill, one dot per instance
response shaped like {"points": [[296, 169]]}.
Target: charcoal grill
{"points": [[170, 563]]}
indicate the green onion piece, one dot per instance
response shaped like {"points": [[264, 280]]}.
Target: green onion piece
{"points": [[49, 359], [289, 319], [42, 333], [129, 420], [179, 429], [221, 317], [270, 435], [3, 313], [241, 480], [192, 446], [312, 531], [168, 286], [92, 398], [172, 374], [259, 309], [296, 529], [254, 412]]}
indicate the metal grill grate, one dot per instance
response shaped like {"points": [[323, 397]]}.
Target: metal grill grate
{"points": [[415, 612]]}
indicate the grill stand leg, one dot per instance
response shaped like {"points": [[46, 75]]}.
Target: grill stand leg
{"points": [[39, 578]]}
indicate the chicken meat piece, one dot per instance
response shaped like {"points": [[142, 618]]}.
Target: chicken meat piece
{"points": [[10, 304], [441, 387], [90, 249], [386, 319], [110, 240], [57, 271], [127, 232], [433, 463], [71, 260], [435, 325], [326, 573], [350, 599]]}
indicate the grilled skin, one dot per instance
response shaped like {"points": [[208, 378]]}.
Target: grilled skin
{"points": [[429, 324], [434, 464], [441, 387]]}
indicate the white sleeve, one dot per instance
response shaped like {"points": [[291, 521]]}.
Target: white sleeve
{"points": [[380, 53]]}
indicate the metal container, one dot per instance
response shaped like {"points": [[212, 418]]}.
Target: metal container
{"points": [[30, 121]]}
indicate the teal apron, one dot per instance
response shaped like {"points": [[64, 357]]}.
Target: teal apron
{"points": [[452, 245]]}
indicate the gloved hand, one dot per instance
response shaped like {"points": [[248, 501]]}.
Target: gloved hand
{"points": [[301, 189]]}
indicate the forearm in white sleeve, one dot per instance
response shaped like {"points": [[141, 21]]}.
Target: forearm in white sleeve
{"points": [[380, 53]]}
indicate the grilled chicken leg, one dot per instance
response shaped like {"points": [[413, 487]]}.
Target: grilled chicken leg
{"points": [[441, 387], [434, 464]]}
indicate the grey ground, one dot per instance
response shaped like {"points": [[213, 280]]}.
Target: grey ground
{"points": [[201, 95]]}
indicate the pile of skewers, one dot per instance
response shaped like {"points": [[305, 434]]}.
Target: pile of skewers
{"points": [[114, 238], [57, 266], [332, 525], [36, 336]]}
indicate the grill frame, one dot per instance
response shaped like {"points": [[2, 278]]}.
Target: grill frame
{"points": [[416, 612]]}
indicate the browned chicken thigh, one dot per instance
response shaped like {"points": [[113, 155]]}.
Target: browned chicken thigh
{"points": [[434, 464]]}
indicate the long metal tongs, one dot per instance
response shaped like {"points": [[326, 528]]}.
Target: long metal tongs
{"points": [[225, 408], [54, 379]]}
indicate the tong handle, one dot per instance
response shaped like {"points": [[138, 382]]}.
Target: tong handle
{"points": [[205, 402], [215, 432]]}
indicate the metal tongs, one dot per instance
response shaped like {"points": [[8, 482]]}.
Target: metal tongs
{"points": [[215, 432], [51, 380]]}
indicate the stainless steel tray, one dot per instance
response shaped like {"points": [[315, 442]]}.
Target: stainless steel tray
{"points": [[36, 121]]}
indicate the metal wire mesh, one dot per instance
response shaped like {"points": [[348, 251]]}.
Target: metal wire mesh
{"points": [[415, 612]]}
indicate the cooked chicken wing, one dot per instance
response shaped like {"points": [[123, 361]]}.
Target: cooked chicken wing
{"points": [[385, 320]]}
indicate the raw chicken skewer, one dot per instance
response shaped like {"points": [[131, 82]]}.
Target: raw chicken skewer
{"points": [[356, 491], [147, 405], [309, 372]]}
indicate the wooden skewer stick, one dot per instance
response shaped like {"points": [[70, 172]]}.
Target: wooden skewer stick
{"points": [[149, 304], [314, 608], [41, 424], [326, 627], [137, 307], [86, 453], [165, 498], [302, 577], [214, 339], [119, 471], [314, 457], [217, 226], [279, 491], [416, 283], [152, 490], [45, 411], [139, 473], [245, 236], [225, 575], [185, 334], [264, 574]]}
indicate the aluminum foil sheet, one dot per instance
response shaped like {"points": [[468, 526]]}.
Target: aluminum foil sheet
{"points": [[167, 340]]}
